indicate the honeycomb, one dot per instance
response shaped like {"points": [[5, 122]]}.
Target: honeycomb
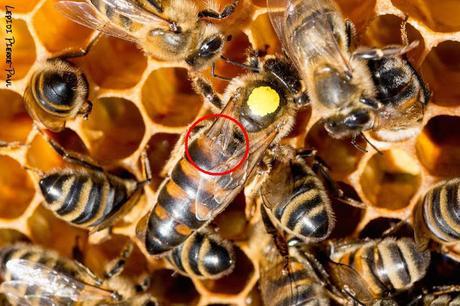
{"points": [[142, 103]]}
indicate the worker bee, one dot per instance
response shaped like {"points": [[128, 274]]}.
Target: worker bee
{"points": [[36, 276], [58, 91], [354, 90], [89, 197], [203, 255], [436, 216], [294, 196], [173, 30], [265, 102], [386, 267]]}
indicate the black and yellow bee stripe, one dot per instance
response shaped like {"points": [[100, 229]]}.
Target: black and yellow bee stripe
{"points": [[442, 300], [307, 212], [203, 255], [440, 211], [388, 265], [86, 198], [174, 217]]}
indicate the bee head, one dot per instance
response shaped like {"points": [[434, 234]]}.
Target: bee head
{"points": [[207, 51], [351, 123]]}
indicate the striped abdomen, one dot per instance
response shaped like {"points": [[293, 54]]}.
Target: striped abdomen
{"points": [[441, 211], [175, 215], [203, 255], [86, 198], [296, 288], [389, 264], [307, 211]]}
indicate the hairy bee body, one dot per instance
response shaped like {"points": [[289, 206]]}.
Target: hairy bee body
{"points": [[386, 265], [203, 255], [88, 198], [173, 31], [189, 198], [41, 272], [399, 87], [296, 198], [346, 84], [437, 215], [56, 93]]}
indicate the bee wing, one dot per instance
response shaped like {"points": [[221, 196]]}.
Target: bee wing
{"points": [[286, 282], [279, 186], [14, 291], [215, 192], [87, 15], [52, 283], [350, 281], [130, 9], [317, 32]]}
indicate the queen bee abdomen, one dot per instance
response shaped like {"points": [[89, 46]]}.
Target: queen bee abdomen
{"points": [[87, 198], [174, 217]]}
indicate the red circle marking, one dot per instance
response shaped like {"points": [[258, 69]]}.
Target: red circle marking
{"points": [[207, 117]]}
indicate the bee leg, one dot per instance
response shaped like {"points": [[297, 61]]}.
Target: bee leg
{"points": [[116, 266], [86, 109], [440, 290], [394, 228], [70, 157], [204, 88], [351, 32], [364, 53], [77, 253], [213, 14], [69, 54], [147, 169]]}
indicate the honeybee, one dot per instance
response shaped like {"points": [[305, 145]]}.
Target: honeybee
{"points": [[294, 196], [386, 267], [354, 90], [172, 30], [36, 276], [58, 91], [203, 255], [436, 216], [89, 197], [265, 102]]}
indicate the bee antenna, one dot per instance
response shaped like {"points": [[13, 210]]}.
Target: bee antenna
{"points": [[241, 65]]}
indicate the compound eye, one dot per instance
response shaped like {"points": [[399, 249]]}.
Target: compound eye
{"points": [[59, 89], [210, 47], [357, 119]]}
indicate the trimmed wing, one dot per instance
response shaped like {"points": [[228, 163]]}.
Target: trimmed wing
{"points": [[50, 283], [132, 10], [227, 148]]}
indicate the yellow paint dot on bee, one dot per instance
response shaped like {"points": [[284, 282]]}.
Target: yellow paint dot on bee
{"points": [[263, 100]]}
